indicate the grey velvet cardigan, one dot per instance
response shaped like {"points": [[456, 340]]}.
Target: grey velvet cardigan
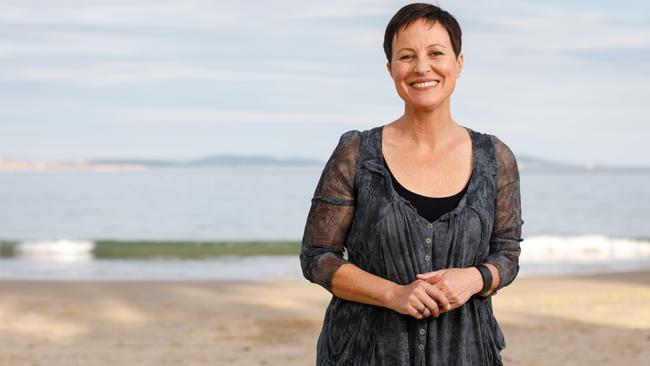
{"points": [[356, 209]]}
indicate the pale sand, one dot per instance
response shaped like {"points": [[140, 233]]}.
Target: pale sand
{"points": [[602, 319]]}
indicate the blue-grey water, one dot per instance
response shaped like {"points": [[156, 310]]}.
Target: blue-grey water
{"points": [[565, 211], [272, 202]]}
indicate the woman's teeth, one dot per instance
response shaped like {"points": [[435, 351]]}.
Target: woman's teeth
{"points": [[425, 85]]}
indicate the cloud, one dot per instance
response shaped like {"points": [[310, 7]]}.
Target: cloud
{"points": [[114, 74], [161, 114], [551, 35], [59, 44], [119, 13], [337, 10], [290, 62]]}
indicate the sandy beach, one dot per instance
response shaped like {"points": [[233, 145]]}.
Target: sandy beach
{"points": [[595, 319]]}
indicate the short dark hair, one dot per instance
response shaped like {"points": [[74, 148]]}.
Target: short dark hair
{"points": [[412, 12]]}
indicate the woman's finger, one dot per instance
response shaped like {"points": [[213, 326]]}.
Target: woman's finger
{"points": [[431, 277], [421, 310], [437, 294], [431, 305], [427, 274]]}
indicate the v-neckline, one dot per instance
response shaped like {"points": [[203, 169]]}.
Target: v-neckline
{"points": [[398, 198]]}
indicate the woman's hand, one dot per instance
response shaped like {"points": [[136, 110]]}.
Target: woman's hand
{"points": [[457, 284], [419, 299]]}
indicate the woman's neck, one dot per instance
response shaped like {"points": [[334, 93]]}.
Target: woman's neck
{"points": [[427, 129]]}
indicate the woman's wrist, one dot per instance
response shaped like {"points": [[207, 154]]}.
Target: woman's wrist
{"points": [[487, 279], [478, 282], [389, 295]]}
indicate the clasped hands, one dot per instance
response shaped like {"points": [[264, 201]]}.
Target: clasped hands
{"points": [[437, 292]]}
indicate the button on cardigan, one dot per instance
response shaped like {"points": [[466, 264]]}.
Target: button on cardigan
{"points": [[355, 209]]}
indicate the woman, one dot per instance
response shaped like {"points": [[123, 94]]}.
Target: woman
{"points": [[429, 213]]}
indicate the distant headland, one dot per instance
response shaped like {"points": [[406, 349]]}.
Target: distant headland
{"points": [[134, 164]]}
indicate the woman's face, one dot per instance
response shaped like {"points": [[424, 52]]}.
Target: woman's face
{"points": [[423, 65]]}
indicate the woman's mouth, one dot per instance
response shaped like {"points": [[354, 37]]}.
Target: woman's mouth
{"points": [[425, 84]]}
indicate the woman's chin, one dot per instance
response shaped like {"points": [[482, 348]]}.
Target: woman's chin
{"points": [[424, 105]]}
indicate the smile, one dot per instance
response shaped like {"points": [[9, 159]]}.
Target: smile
{"points": [[425, 84]]}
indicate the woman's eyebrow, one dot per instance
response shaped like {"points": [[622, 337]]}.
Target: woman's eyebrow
{"points": [[429, 46], [405, 49]]}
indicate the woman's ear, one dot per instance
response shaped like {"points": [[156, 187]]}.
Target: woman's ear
{"points": [[460, 60]]}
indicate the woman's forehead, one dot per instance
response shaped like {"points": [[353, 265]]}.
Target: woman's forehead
{"points": [[419, 31]]}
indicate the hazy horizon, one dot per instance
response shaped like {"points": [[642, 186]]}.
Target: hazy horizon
{"points": [[246, 158]]}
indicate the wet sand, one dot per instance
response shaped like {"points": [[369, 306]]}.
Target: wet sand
{"points": [[596, 319]]}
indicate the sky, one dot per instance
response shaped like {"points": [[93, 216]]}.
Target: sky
{"points": [[565, 81]]}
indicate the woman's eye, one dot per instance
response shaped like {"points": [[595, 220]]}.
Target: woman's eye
{"points": [[406, 57], [436, 53]]}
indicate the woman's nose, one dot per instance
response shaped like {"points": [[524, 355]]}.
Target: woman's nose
{"points": [[422, 67]]}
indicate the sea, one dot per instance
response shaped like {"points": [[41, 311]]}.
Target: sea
{"points": [[576, 221]]}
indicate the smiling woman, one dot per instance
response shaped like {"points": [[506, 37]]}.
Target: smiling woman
{"points": [[430, 239], [426, 62]]}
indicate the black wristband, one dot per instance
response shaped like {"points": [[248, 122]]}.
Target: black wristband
{"points": [[487, 278]]}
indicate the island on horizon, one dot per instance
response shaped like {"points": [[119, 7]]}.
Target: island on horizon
{"points": [[135, 164]]}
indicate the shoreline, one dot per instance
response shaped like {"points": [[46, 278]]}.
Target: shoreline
{"points": [[546, 321], [631, 275]]}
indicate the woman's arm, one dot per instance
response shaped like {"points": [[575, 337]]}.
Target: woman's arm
{"points": [[323, 243], [352, 283], [330, 215], [503, 259]]}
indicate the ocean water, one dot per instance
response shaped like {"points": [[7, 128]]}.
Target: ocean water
{"points": [[575, 220]]}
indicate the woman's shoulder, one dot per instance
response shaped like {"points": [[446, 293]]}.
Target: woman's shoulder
{"points": [[349, 142], [504, 157], [501, 149], [357, 134], [350, 136], [355, 143], [346, 152], [497, 151]]}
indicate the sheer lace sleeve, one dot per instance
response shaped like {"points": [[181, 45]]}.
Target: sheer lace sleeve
{"points": [[506, 232], [330, 215]]}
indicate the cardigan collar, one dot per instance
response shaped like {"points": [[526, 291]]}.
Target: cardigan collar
{"points": [[370, 156]]}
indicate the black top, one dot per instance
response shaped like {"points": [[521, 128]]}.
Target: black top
{"points": [[431, 208]]}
